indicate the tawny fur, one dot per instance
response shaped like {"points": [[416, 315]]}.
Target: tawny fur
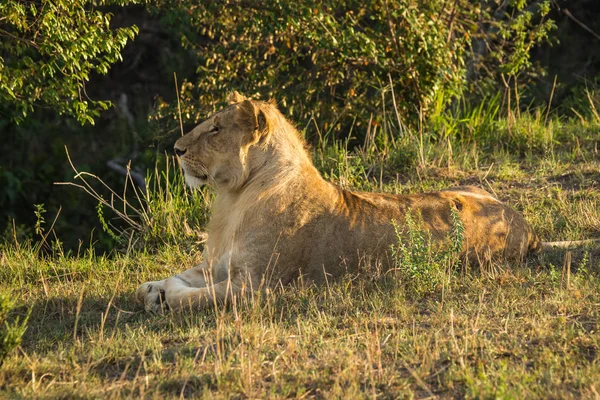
{"points": [[275, 218]]}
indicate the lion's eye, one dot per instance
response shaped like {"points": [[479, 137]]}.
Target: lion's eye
{"points": [[213, 130]]}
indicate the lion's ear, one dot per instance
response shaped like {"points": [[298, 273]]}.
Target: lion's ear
{"points": [[235, 97], [262, 123], [256, 118], [248, 112]]}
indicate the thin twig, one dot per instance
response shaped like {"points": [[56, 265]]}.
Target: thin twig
{"points": [[550, 100], [400, 127], [178, 103], [578, 22], [45, 237], [92, 192]]}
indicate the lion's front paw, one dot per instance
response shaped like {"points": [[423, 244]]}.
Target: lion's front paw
{"points": [[152, 296]]}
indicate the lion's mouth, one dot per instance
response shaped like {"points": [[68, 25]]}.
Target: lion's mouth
{"points": [[195, 177], [195, 180]]}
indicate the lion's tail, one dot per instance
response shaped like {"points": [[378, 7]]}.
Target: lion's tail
{"points": [[566, 244]]}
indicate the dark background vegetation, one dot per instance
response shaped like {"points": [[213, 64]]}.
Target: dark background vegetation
{"points": [[256, 51]]}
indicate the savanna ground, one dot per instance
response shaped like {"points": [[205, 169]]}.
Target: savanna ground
{"points": [[506, 331]]}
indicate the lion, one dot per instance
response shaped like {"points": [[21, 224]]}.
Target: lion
{"points": [[275, 219]]}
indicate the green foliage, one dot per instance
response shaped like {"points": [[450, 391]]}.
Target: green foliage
{"points": [[339, 55], [521, 33], [336, 61], [10, 333], [49, 49], [422, 266], [501, 48]]}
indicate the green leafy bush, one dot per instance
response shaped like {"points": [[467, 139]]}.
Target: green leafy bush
{"points": [[329, 59], [341, 62], [49, 49]]}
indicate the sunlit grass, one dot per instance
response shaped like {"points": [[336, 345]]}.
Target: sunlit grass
{"points": [[508, 331]]}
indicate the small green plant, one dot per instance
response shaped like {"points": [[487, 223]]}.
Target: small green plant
{"points": [[105, 227], [10, 333], [39, 218], [422, 264]]}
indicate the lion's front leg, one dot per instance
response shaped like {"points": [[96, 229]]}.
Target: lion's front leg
{"points": [[180, 296], [153, 294], [195, 288]]}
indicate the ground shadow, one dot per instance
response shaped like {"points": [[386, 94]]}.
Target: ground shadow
{"points": [[64, 319], [577, 180]]}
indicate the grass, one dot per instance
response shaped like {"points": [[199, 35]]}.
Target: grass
{"points": [[508, 331]]}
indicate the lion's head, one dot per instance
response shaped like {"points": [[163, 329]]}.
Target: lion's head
{"points": [[217, 151]]}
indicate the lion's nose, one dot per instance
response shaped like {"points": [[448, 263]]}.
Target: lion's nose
{"points": [[179, 152]]}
